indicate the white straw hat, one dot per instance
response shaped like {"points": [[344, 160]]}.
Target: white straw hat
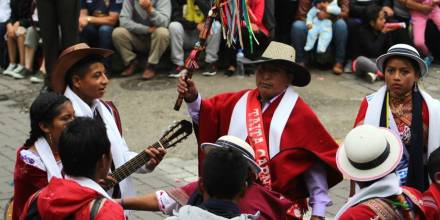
{"points": [[404, 50], [238, 144], [369, 153], [284, 54]]}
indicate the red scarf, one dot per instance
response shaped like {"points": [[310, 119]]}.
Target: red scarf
{"points": [[257, 138]]}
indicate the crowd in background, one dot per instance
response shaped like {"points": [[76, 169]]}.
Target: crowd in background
{"points": [[323, 32]]}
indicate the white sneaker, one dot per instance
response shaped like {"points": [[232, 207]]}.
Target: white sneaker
{"points": [[16, 73], [10, 70], [371, 77]]}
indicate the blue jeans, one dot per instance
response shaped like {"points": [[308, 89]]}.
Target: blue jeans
{"points": [[98, 36], [339, 41]]}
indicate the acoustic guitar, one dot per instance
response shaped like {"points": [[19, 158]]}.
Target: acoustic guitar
{"points": [[176, 133]]}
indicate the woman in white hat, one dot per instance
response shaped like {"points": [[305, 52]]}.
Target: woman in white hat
{"points": [[403, 107], [369, 156], [294, 150]]}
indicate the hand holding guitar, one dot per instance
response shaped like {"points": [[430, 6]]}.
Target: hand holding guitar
{"points": [[156, 155]]}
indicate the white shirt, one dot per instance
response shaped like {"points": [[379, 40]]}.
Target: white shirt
{"points": [[5, 10]]}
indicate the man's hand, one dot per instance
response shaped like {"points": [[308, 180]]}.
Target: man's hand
{"points": [[426, 8], [108, 181], [147, 5], [156, 155], [323, 15], [388, 11], [151, 29], [82, 22], [188, 89], [200, 26]]}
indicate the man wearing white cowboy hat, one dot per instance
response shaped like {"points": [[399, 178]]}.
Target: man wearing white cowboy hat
{"points": [[369, 156], [407, 110], [295, 152], [256, 198]]}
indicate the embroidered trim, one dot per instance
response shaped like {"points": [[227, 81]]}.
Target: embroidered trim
{"points": [[382, 209]]}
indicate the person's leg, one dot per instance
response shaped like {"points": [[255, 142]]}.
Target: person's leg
{"points": [[419, 26], [68, 14], [105, 37], [325, 36], [30, 43], [123, 42], [21, 33], [366, 68], [12, 49], [340, 40], [160, 40], [213, 45], [49, 32], [2, 46], [176, 38], [312, 36], [90, 35], [299, 35]]}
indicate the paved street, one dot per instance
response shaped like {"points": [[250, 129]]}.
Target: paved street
{"points": [[146, 110]]}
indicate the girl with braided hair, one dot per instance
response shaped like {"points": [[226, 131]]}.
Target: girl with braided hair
{"points": [[38, 159]]}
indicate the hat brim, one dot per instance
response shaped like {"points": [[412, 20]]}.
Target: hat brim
{"points": [[380, 61], [252, 164], [65, 62], [380, 171], [301, 75]]}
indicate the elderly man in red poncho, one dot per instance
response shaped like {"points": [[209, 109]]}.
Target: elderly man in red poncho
{"points": [[294, 150]]}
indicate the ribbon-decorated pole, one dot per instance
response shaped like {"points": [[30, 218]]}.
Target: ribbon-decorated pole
{"points": [[191, 60], [233, 16]]}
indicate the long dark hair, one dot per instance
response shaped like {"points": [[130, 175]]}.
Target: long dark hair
{"points": [[44, 109]]}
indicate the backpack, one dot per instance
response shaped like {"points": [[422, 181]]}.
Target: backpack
{"points": [[32, 209]]}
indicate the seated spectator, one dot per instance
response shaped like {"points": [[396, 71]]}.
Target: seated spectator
{"points": [[97, 20], [374, 37], [371, 164], [256, 197], [38, 159], [184, 33], [143, 27], [262, 34], [31, 43], [419, 19], [85, 153], [5, 13], [21, 13], [358, 16], [339, 40], [431, 198], [320, 28]]}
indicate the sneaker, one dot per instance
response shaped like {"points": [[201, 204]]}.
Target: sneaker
{"points": [[371, 77], [348, 68], [24, 73], [211, 71], [38, 77], [176, 72], [10, 70], [428, 60]]}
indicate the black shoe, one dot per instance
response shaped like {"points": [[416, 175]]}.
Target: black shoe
{"points": [[211, 70]]}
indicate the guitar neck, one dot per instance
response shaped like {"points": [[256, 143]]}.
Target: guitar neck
{"points": [[131, 166]]}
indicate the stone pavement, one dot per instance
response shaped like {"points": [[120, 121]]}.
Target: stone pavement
{"points": [[146, 108]]}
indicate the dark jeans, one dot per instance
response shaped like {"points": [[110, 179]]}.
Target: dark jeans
{"points": [[98, 36], [3, 47], [54, 13], [339, 40]]}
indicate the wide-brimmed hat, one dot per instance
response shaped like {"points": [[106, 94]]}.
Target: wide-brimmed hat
{"points": [[70, 57], [404, 50], [235, 143], [369, 153], [283, 54]]}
